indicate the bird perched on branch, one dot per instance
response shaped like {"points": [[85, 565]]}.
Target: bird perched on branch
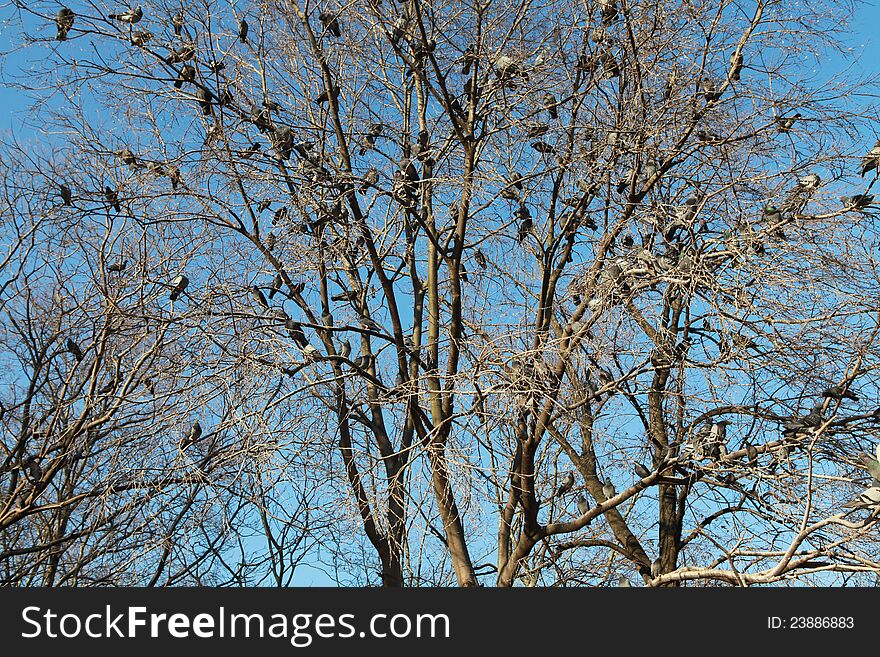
{"points": [[330, 21], [868, 498], [204, 98], [187, 74], [550, 105], [641, 471], [74, 349], [178, 285], [33, 472], [112, 197], [871, 161], [857, 201], [177, 22], [736, 66], [840, 392], [64, 21], [786, 123], [66, 194], [800, 194], [583, 506], [566, 485], [193, 436], [608, 490], [296, 333], [811, 420], [131, 16], [243, 30]]}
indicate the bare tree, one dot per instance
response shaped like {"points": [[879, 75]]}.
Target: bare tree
{"points": [[558, 295]]}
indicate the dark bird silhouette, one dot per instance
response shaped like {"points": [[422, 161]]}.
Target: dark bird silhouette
{"points": [[33, 472], [183, 54], [112, 198], [66, 194], [857, 201], [117, 266], [296, 333], [810, 421], [131, 16], [583, 506], [64, 21], [641, 470], [243, 30], [840, 392], [204, 98], [178, 285], [480, 258], [525, 223], [543, 147], [330, 22], [324, 96], [191, 438], [257, 295], [276, 285], [187, 73], [74, 349], [177, 23], [656, 568]]}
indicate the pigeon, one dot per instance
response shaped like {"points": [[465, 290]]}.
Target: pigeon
{"points": [[550, 105], [736, 66], [327, 319], [243, 30], [276, 285], [345, 349], [257, 295], [215, 67], [641, 470], [330, 23], [131, 16], [193, 436], [32, 470], [369, 179], [370, 325], [718, 432], [117, 266], [608, 490], [840, 392], [74, 349], [204, 98], [178, 285], [66, 194], [608, 11], [810, 421], [583, 505], [710, 93], [177, 23], [870, 497], [623, 582], [345, 295], [324, 96], [857, 201], [362, 362], [183, 54], [566, 485], [140, 38], [871, 464], [112, 197], [480, 258], [64, 21], [800, 194], [187, 74], [871, 160], [786, 123], [752, 455], [543, 147], [296, 333], [656, 568]]}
